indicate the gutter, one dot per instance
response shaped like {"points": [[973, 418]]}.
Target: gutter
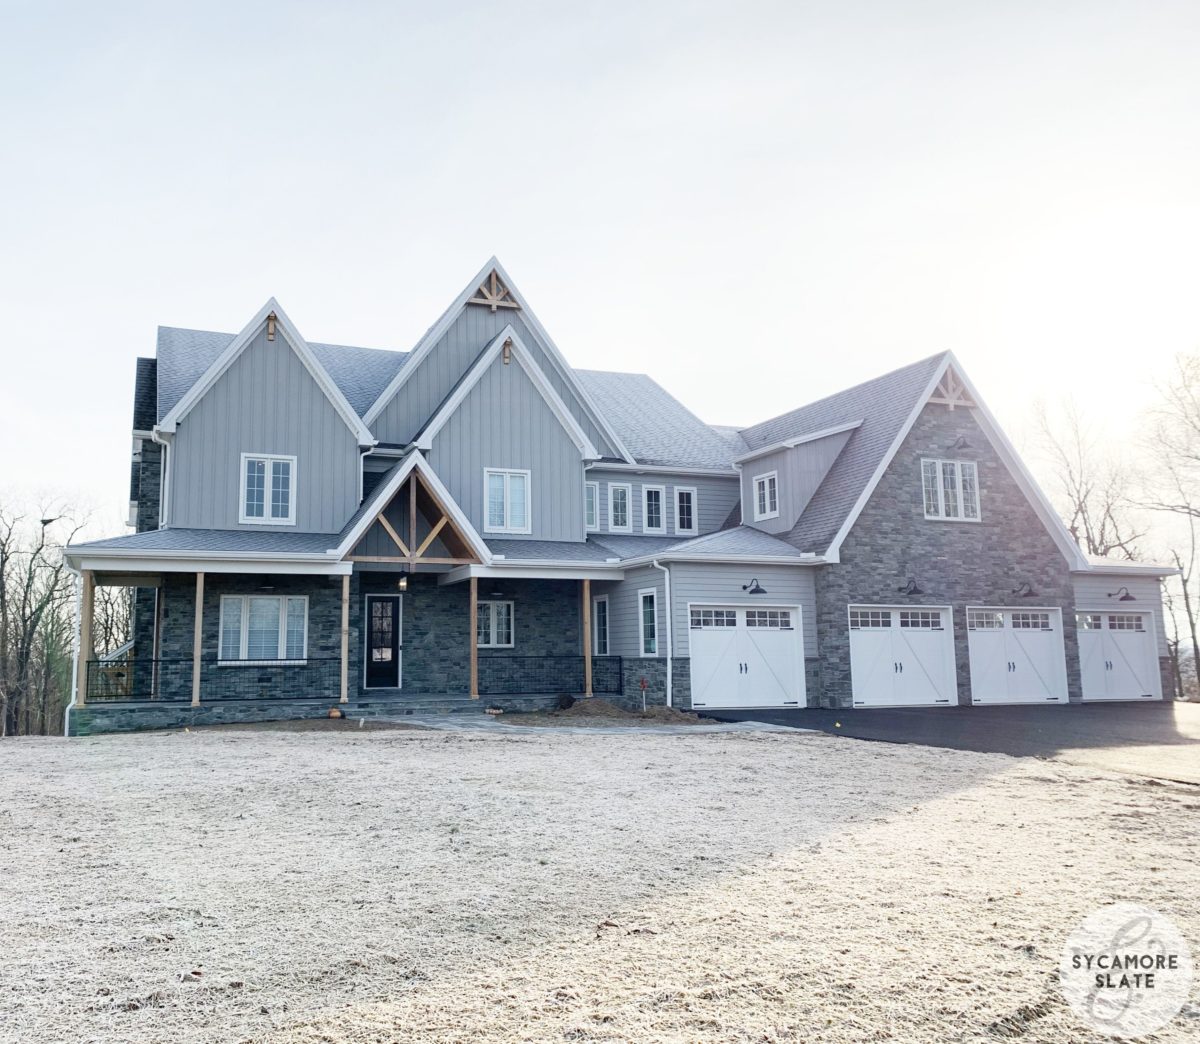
{"points": [[670, 611]]}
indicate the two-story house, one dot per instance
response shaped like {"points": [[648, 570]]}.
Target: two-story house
{"points": [[475, 522]]}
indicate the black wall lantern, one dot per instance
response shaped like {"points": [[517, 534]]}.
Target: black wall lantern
{"points": [[1121, 594], [1025, 590], [754, 587], [911, 587], [402, 583]]}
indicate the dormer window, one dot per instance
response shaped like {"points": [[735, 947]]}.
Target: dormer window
{"points": [[766, 496], [950, 489], [268, 490]]}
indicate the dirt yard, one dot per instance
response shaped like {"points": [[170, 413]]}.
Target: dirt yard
{"points": [[397, 885]]}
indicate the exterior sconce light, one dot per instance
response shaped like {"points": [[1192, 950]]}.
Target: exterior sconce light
{"points": [[402, 583], [506, 351], [911, 587], [272, 319], [1121, 594], [754, 587], [961, 443], [1025, 590]]}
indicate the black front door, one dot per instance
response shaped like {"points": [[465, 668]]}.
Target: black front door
{"points": [[382, 645]]}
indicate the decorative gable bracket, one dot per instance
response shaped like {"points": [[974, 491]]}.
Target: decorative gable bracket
{"points": [[493, 293], [951, 392]]}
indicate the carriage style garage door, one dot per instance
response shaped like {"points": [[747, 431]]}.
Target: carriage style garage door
{"points": [[1118, 657], [744, 657], [1017, 655], [902, 656]]}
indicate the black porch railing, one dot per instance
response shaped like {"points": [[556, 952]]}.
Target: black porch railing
{"points": [[224, 680], [547, 675]]}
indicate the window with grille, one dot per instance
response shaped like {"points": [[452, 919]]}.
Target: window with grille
{"points": [[950, 489], [648, 622], [861, 619], [1089, 621], [1031, 621], [984, 620], [653, 520], [921, 619], [685, 510], [494, 625], [776, 619], [1125, 622], [268, 485], [706, 618], [256, 628], [766, 496], [618, 508]]}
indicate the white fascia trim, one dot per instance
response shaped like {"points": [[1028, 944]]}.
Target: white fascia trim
{"points": [[699, 556], [284, 326], [660, 469], [529, 570], [534, 372], [435, 333], [799, 440], [1128, 569], [216, 562]]}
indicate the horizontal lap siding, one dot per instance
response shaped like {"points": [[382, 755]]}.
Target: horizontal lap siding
{"points": [[623, 611], [1092, 591], [715, 497]]}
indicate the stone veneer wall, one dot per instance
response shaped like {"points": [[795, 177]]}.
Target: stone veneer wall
{"points": [[955, 563], [149, 486]]}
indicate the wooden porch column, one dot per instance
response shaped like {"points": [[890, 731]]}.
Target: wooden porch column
{"points": [[345, 697], [587, 637], [474, 638], [197, 639], [86, 652]]}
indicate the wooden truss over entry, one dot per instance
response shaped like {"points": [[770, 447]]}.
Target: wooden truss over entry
{"points": [[951, 391], [494, 293], [414, 528]]}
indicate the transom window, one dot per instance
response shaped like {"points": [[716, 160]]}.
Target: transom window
{"points": [[591, 505], [507, 497], [600, 626], [653, 520], [766, 496], [263, 628], [776, 619], [1089, 621], [921, 619], [268, 490], [494, 625], [1125, 622], [861, 619], [685, 510], [1031, 621], [950, 489], [984, 620], [703, 619], [618, 508], [648, 622]]}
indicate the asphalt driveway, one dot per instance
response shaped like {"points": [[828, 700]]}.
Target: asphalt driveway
{"points": [[1160, 740]]}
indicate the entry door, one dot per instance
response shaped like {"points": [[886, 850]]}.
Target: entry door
{"points": [[1017, 656], [381, 648], [746, 657], [1118, 657], [902, 656]]}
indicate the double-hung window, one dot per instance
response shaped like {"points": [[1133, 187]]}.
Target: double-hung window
{"points": [[685, 510], [766, 496], [648, 622], [653, 516], [494, 625], [619, 514], [263, 628], [506, 498], [268, 490], [600, 625], [950, 489], [591, 505]]}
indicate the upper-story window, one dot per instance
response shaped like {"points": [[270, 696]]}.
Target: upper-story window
{"points": [[766, 496], [507, 496], [619, 520], [591, 505], [950, 489], [685, 510], [268, 490], [653, 517]]}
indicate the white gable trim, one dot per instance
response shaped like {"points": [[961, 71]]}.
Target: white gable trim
{"points": [[799, 440], [383, 495], [436, 332], [287, 329], [534, 372], [1008, 455]]}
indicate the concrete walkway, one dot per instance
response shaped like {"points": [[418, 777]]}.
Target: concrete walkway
{"points": [[496, 725]]}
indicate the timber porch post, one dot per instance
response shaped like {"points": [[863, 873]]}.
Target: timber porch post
{"points": [[474, 638], [197, 639], [586, 588], [86, 652]]}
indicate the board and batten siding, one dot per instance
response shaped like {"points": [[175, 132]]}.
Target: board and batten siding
{"points": [[436, 375], [721, 584], [623, 610], [799, 471], [505, 423], [265, 402], [715, 498], [1092, 591]]}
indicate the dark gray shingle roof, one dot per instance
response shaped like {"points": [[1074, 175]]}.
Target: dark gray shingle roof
{"points": [[144, 394], [742, 540], [236, 540], [550, 550]]}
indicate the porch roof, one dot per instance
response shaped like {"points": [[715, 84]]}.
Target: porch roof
{"points": [[238, 541]]}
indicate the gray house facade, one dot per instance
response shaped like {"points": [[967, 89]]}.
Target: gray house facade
{"points": [[475, 523]]}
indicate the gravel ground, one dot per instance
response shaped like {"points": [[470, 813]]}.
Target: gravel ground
{"points": [[398, 885]]}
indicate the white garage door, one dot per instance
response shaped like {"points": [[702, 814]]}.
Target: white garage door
{"points": [[744, 657], [1016, 655], [1118, 657], [902, 656]]}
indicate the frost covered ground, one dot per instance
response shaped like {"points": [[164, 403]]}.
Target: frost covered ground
{"points": [[398, 885]]}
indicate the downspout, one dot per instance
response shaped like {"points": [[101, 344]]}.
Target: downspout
{"points": [[75, 649], [164, 486], [670, 612]]}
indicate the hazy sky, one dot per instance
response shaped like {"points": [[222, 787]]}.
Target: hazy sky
{"points": [[756, 204]]}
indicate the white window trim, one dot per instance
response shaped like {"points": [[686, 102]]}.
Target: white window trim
{"points": [[941, 491], [662, 509], [595, 526], [243, 638], [628, 527], [595, 625], [512, 621], [695, 510], [267, 520], [528, 527], [754, 493], [653, 593]]}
